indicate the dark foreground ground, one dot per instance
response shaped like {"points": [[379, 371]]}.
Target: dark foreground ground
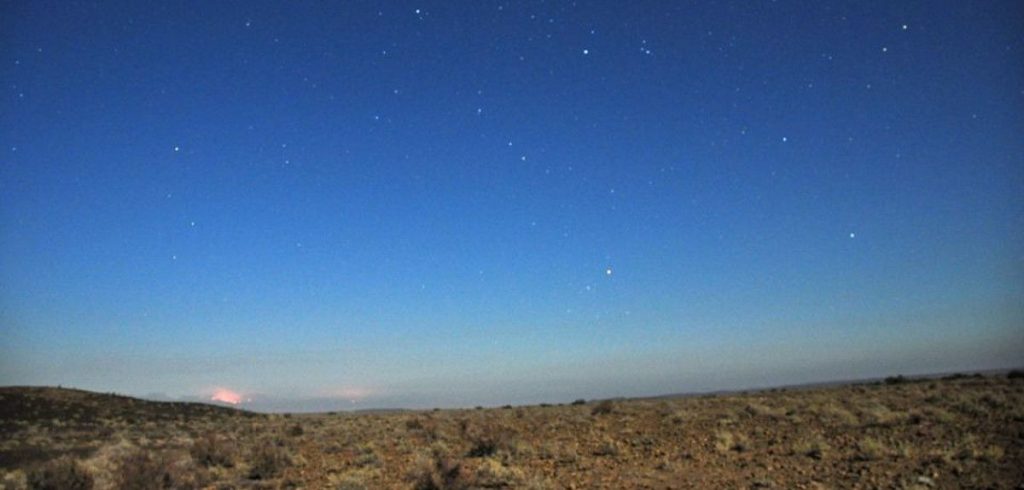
{"points": [[958, 432]]}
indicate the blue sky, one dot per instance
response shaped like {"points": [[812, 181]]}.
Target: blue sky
{"points": [[458, 203]]}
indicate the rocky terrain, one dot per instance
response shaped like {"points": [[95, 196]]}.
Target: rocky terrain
{"points": [[954, 432]]}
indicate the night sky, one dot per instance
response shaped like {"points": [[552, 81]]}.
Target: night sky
{"points": [[316, 205]]}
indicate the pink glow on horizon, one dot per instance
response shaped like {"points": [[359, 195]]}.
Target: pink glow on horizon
{"points": [[352, 394], [225, 395]]}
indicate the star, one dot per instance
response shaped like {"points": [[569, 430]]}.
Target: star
{"points": [[586, 51], [177, 148], [853, 235], [608, 271]]}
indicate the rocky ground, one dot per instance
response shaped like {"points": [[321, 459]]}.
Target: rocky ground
{"points": [[955, 432]]}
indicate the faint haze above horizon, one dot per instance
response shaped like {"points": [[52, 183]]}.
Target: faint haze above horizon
{"points": [[316, 206]]}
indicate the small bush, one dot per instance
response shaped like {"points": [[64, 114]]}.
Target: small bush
{"points": [[1015, 374], [603, 408], [726, 441], [812, 448], [437, 472], [870, 449], [211, 451], [494, 474], [366, 456], [295, 430], [578, 401], [140, 470], [60, 474], [268, 459], [607, 448], [488, 438], [895, 380], [414, 424]]}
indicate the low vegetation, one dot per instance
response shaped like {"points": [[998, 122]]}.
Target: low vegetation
{"points": [[956, 432]]}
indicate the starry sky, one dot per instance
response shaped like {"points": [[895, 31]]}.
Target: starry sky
{"points": [[320, 205]]}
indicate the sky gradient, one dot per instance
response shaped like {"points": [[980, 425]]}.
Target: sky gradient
{"points": [[354, 204]]}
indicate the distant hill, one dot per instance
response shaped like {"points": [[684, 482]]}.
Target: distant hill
{"points": [[36, 404]]}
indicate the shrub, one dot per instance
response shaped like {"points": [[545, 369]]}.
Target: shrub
{"points": [[414, 424], [487, 439], [603, 408], [211, 451], [726, 441], [140, 470], [268, 459], [608, 448], [895, 380], [578, 401], [493, 474], [1015, 374], [813, 448], [870, 449], [295, 430], [366, 456], [437, 472], [60, 474]]}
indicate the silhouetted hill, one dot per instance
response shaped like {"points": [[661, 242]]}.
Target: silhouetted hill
{"points": [[71, 411], [34, 404]]}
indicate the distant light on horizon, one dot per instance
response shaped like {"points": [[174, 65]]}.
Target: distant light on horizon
{"points": [[225, 395]]}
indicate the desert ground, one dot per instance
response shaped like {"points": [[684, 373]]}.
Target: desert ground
{"points": [[955, 432]]}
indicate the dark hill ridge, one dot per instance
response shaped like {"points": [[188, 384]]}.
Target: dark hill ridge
{"points": [[75, 415], [33, 404]]}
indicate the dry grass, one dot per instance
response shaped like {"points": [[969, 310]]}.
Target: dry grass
{"points": [[957, 432]]}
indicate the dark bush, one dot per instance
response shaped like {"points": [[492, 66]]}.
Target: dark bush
{"points": [[140, 470], [60, 474], [211, 451], [414, 424], [295, 430], [488, 438], [440, 472], [1015, 374], [579, 401], [268, 459], [895, 380], [603, 408]]}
